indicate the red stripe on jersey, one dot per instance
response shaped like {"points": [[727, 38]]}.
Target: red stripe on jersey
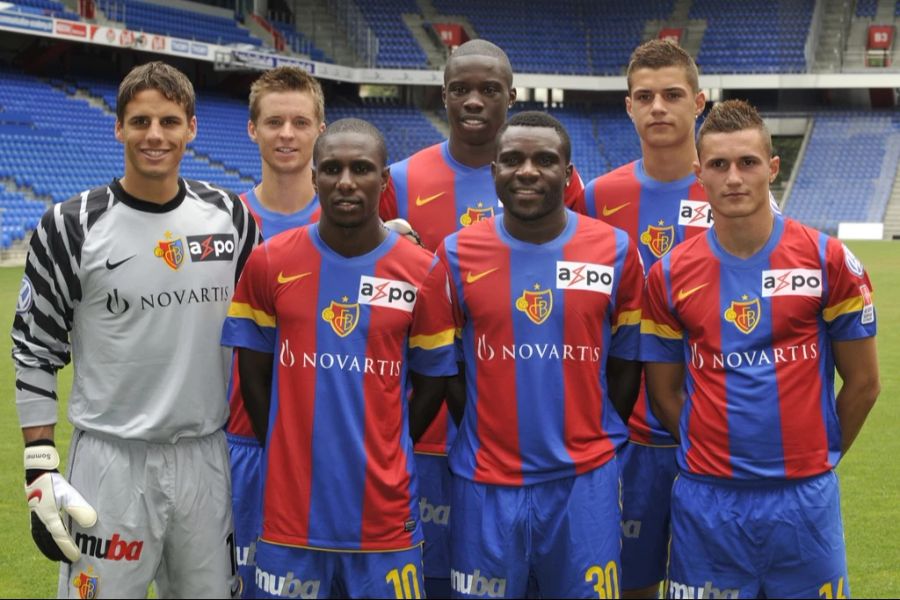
{"points": [[803, 436], [586, 442], [695, 192], [430, 196], [707, 420], [497, 404], [292, 432], [617, 197]]}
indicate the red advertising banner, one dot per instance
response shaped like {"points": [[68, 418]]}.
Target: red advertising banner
{"points": [[452, 34], [673, 34], [71, 28], [881, 37]]}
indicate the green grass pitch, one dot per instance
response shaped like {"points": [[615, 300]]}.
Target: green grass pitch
{"points": [[870, 474]]}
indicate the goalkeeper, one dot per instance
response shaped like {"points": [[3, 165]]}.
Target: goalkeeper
{"points": [[134, 278]]}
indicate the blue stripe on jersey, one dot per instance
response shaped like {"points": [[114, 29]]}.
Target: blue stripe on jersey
{"points": [[627, 341], [471, 185], [400, 177], [340, 397], [660, 201], [532, 265], [590, 200], [273, 223]]}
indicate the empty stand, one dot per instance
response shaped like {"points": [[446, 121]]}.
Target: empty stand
{"points": [[753, 36], [176, 22], [848, 169]]}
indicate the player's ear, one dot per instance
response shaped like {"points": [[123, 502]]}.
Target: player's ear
{"points": [[700, 104], [774, 168], [385, 176], [315, 184], [251, 130], [444, 95], [569, 168], [119, 134], [512, 96], [192, 127], [696, 166]]}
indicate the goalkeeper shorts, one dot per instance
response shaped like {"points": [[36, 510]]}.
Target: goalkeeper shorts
{"points": [[164, 515]]}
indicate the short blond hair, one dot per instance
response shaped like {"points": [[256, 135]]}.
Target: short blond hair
{"points": [[658, 54], [287, 79], [157, 75], [734, 115]]}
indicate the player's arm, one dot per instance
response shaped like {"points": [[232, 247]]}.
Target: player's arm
{"points": [[662, 349], [428, 395], [857, 363], [255, 369], [456, 394], [40, 335], [623, 382], [623, 368], [665, 386]]}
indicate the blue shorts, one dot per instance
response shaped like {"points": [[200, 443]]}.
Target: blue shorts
{"points": [[781, 539], [565, 533], [246, 502], [288, 572], [647, 476], [434, 512]]}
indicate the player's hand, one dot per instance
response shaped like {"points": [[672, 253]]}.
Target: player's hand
{"points": [[403, 227], [48, 492]]}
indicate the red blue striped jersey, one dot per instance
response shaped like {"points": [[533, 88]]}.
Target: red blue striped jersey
{"points": [[438, 196], [657, 215], [538, 323], [270, 223], [756, 337], [338, 463]]}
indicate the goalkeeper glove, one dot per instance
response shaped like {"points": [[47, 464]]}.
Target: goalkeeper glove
{"points": [[48, 493]]}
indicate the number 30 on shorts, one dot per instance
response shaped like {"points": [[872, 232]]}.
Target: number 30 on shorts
{"points": [[405, 582], [605, 579]]}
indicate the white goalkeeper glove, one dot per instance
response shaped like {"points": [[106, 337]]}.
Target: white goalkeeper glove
{"points": [[48, 492]]}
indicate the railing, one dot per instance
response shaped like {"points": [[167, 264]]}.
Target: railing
{"points": [[812, 39], [360, 37]]}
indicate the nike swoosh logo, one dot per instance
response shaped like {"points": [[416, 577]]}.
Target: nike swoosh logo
{"points": [[611, 211], [682, 293], [282, 278], [35, 494], [113, 265], [424, 201], [472, 278]]}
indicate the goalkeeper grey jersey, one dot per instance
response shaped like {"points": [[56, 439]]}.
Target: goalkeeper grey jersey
{"points": [[136, 294]]}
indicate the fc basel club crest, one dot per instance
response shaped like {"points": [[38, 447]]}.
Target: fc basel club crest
{"points": [[341, 316], [473, 215], [86, 584], [536, 304], [658, 239], [744, 314], [171, 251]]}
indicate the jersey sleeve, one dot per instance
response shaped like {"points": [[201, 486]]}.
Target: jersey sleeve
{"points": [[432, 349], [387, 206], [661, 332], [574, 196], [44, 313], [249, 233], [849, 311], [251, 317], [626, 317]]}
